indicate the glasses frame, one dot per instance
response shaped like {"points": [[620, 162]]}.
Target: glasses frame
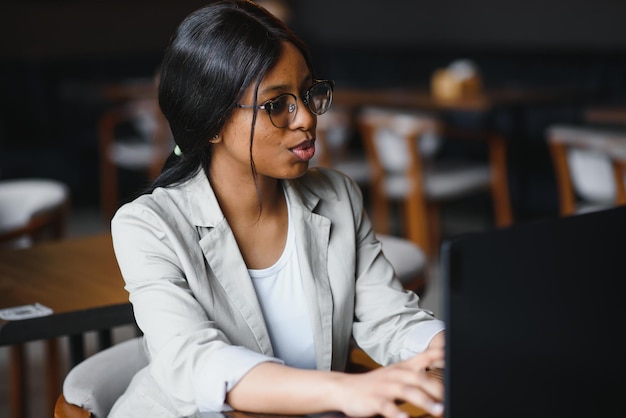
{"points": [[306, 99]]}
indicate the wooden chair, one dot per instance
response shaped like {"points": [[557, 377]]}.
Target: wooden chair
{"points": [[334, 130], [134, 136], [408, 261], [590, 165], [92, 387], [31, 211], [402, 149], [334, 133]]}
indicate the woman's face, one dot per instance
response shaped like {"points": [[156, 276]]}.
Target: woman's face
{"points": [[281, 153]]}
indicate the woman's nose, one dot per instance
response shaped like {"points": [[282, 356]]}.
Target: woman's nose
{"points": [[305, 119]]}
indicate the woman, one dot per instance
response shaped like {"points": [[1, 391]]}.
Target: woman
{"points": [[249, 273]]}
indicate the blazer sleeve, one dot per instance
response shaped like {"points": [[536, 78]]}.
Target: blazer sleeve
{"points": [[389, 323], [187, 349]]}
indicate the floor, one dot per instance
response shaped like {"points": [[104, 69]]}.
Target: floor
{"points": [[86, 221]]}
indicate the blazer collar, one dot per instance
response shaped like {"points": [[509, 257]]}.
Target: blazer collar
{"points": [[204, 209]]}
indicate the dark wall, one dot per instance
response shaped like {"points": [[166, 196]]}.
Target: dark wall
{"points": [[52, 52], [556, 24]]}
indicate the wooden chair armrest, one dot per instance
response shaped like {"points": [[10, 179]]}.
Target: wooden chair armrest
{"points": [[64, 409]]}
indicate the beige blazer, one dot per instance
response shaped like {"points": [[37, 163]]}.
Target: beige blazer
{"points": [[191, 292]]}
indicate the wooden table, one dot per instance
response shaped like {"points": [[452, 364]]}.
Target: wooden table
{"points": [[422, 99], [80, 281], [606, 115], [77, 278]]}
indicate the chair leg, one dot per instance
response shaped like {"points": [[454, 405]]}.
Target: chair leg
{"points": [[53, 373], [416, 222], [381, 216], [503, 212], [567, 198], [108, 188], [434, 228], [619, 169], [17, 381]]}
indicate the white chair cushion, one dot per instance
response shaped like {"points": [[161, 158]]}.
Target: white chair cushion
{"points": [[357, 169], [455, 179], [407, 259], [133, 155], [448, 180], [98, 381], [592, 175], [589, 160], [21, 199]]}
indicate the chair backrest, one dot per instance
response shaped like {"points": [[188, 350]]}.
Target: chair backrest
{"points": [[98, 381], [333, 134], [589, 167], [32, 210], [145, 148], [399, 146], [398, 140]]}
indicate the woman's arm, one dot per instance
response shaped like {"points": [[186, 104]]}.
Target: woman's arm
{"points": [[274, 388]]}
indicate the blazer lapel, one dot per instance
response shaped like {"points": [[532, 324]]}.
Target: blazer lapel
{"points": [[312, 237], [220, 249], [221, 252]]}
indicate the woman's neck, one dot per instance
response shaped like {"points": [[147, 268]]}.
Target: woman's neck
{"points": [[246, 202], [259, 220]]}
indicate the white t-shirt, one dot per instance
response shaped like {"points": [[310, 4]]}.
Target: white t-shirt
{"points": [[281, 296]]}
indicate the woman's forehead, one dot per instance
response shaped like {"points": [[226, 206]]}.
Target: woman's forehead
{"points": [[290, 71]]}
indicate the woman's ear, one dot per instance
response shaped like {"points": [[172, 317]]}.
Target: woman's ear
{"points": [[216, 138]]}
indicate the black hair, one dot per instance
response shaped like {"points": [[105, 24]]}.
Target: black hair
{"points": [[214, 56]]}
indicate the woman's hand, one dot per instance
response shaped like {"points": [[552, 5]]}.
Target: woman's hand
{"points": [[438, 342], [377, 392]]}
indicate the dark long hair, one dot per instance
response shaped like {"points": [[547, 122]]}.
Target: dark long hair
{"points": [[214, 56]]}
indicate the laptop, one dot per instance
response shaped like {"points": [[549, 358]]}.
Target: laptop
{"points": [[536, 319]]}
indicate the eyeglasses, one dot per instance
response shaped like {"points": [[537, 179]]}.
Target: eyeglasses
{"points": [[282, 109]]}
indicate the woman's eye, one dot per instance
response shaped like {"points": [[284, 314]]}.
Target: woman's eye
{"points": [[278, 105]]}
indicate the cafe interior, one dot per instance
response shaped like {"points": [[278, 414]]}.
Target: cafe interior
{"points": [[453, 116]]}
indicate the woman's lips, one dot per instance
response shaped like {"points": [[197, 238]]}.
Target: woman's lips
{"points": [[305, 150]]}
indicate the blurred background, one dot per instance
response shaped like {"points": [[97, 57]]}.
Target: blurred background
{"points": [[66, 65], [57, 55]]}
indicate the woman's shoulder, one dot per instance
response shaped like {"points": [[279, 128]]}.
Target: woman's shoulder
{"points": [[154, 200], [161, 205]]}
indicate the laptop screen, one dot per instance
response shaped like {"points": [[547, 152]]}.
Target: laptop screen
{"points": [[535, 317]]}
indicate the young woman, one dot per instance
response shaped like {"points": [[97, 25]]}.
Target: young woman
{"points": [[249, 273]]}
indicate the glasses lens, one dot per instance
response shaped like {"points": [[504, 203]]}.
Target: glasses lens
{"points": [[320, 96], [282, 110]]}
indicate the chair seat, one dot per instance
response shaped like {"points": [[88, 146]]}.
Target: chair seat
{"points": [[447, 181], [133, 155], [589, 167], [357, 169], [592, 174], [21, 199], [97, 382], [407, 259], [585, 207], [408, 171]]}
